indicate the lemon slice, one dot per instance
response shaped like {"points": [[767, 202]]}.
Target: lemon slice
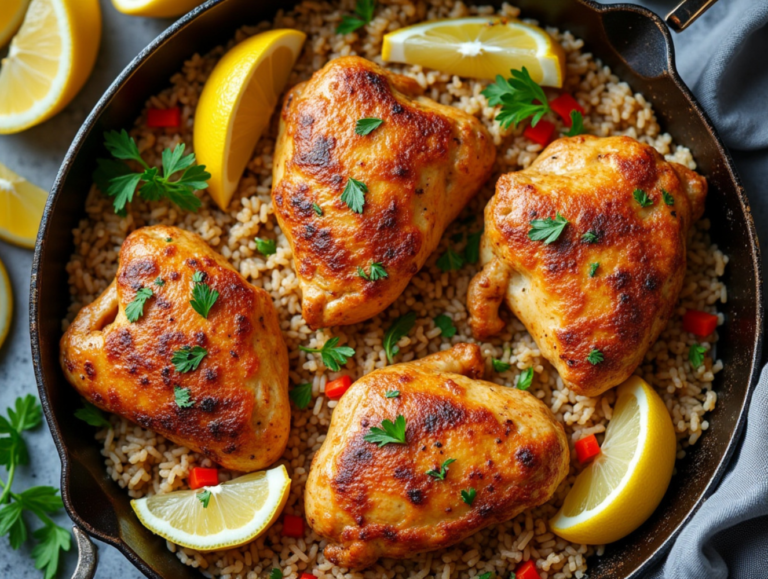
{"points": [[155, 8], [625, 483], [478, 48], [6, 304], [21, 208], [48, 61], [10, 18], [236, 104], [238, 511]]}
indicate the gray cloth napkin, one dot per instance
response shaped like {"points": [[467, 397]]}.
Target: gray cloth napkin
{"points": [[723, 58]]}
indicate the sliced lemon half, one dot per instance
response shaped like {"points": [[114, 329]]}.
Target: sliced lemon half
{"points": [[238, 511], [155, 8], [49, 60], [236, 104], [21, 208], [6, 304], [478, 47], [11, 16], [625, 483]]}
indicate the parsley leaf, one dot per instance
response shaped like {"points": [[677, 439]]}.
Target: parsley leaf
{"points": [[696, 355], [276, 574], [266, 246], [92, 415], [333, 356], [183, 397], [401, 327], [301, 395], [377, 272], [445, 323], [203, 297], [317, 209], [525, 379], [547, 230], [392, 394], [364, 10], [667, 196], [593, 269], [389, 433], [589, 237], [577, 124], [499, 366], [450, 261], [642, 198], [472, 250], [440, 475], [26, 414], [486, 575], [160, 282], [595, 357], [135, 309], [204, 497], [354, 195], [520, 97], [366, 126], [468, 496], [52, 539], [187, 359]]}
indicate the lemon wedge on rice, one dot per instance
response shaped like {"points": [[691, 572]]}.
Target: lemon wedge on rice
{"points": [[21, 208], [236, 105], [479, 47], [625, 483], [6, 304], [11, 16], [49, 60], [238, 511], [155, 8]]}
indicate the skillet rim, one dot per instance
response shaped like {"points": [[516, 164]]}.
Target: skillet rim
{"points": [[167, 36]]}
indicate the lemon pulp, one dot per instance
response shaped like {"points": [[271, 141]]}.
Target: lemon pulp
{"points": [[6, 304], [21, 208]]}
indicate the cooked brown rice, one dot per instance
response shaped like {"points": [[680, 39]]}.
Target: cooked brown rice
{"points": [[145, 463]]}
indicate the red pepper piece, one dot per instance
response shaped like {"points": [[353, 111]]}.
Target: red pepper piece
{"points": [[336, 388], [527, 571], [201, 477], [541, 133], [307, 576], [699, 323], [564, 105], [164, 117], [587, 448], [293, 526]]}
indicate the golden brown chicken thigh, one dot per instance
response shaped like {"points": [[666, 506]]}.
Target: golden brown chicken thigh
{"points": [[233, 406], [415, 172], [507, 448], [597, 297]]}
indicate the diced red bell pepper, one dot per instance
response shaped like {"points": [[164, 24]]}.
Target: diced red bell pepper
{"points": [[527, 571], [293, 526], [564, 105], [587, 448], [541, 133], [336, 388], [699, 323], [164, 117], [201, 477], [307, 576]]}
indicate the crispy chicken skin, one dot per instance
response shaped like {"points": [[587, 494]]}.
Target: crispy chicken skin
{"points": [[240, 415], [641, 252], [372, 502], [421, 167]]}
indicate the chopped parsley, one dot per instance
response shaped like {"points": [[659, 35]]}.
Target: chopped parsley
{"points": [[389, 433], [401, 327], [168, 239], [301, 395], [440, 475], [92, 415], [547, 230], [577, 124], [354, 195], [376, 269], [445, 323], [468, 496], [696, 355], [204, 497], [667, 196], [183, 397], [266, 246], [472, 250], [160, 281], [276, 574], [589, 237], [499, 366], [317, 209], [520, 97], [366, 126], [525, 379], [450, 261], [595, 357], [486, 575], [135, 309], [392, 394], [203, 297], [333, 356], [642, 198], [363, 15], [187, 358], [593, 269]]}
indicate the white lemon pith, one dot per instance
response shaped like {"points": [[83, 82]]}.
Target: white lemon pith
{"points": [[11, 15], [237, 103], [625, 483], [238, 511], [6, 303], [49, 60], [155, 8], [478, 47], [21, 208]]}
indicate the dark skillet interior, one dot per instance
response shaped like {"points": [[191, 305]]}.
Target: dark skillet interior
{"points": [[636, 46]]}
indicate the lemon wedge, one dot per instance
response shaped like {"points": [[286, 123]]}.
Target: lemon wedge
{"points": [[155, 8], [21, 208], [625, 483], [478, 47], [6, 304], [236, 104], [10, 18], [49, 60], [238, 511]]}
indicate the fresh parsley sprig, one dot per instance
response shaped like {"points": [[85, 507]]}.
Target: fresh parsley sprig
{"points": [[266, 246], [392, 394], [696, 355], [445, 323], [401, 327], [577, 124], [333, 356], [364, 14], [440, 474], [204, 497], [183, 397], [116, 179], [92, 415], [367, 126], [593, 269], [301, 395], [642, 198], [389, 433], [525, 379], [500, 366], [595, 357], [547, 230], [203, 297], [520, 97], [668, 199], [354, 195], [376, 270], [188, 358], [468, 496], [135, 309], [450, 261]]}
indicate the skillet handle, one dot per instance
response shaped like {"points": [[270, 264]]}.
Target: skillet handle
{"points": [[87, 556], [686, 13]]}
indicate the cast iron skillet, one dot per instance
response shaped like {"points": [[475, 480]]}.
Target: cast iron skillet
{"points": [[638, 47]]}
